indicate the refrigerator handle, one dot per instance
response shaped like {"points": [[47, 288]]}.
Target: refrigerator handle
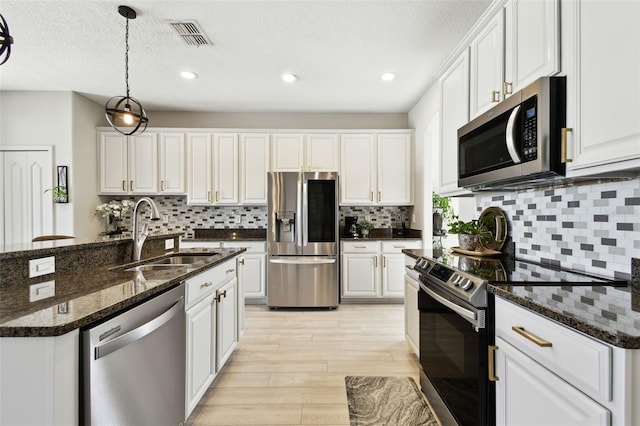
{"points": [[298, 219], [305, 212]]}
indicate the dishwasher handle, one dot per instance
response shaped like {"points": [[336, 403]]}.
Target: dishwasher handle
{"points": [[139, 332]]}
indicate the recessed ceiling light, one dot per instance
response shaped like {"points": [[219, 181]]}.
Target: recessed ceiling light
{"points": [[387, 76], [188, 75], [288, 77]]}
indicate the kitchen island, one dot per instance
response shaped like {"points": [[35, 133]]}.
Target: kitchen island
{"points": [[41, 317]]}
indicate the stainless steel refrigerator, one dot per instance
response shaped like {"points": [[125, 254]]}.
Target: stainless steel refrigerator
{"points": [[302, 239]]}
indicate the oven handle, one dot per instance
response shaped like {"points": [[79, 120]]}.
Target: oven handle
{"points": [[511, 146], [464, 313]]}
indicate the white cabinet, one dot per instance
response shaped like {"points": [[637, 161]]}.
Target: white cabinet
{"points": [[411, 313], [374, 269], [487, 66], [376, 169], [254, 166], [128, 164], [454, 113], [225, 168], [226, 309], [172, 163], [199, 165], [601, 41], [532, 42], [299, 152]]}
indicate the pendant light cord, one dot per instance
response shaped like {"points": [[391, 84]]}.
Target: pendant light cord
{"points": [[126, 56]]}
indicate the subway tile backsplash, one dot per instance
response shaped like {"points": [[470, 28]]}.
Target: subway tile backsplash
{"points": [[185, 218], [592, 228]]}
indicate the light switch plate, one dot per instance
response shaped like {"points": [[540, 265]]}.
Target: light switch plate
{"points": [[42, 290], [168, 244], [42, 266]]}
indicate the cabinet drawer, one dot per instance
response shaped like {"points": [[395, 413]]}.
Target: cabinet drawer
{"points": [[251, 246], [199, 244], [579, 359], [399, 245], [208, 281], [359, 246]]}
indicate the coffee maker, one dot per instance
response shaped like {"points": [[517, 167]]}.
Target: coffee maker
{"points": [[351, 226]]}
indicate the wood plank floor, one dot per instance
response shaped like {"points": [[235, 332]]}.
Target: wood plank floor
{"points": [[289, 367]]}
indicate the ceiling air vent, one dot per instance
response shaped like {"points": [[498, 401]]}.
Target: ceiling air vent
{"points": [[190, 32]]}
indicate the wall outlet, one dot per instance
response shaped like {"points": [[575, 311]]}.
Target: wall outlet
{"points": [[165, 219], [42, 266], [168, 244], [238, 218], [42, 290]]}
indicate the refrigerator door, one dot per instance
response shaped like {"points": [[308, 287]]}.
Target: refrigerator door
{"points": [[284, 220], [303, 281], [319, 213]]}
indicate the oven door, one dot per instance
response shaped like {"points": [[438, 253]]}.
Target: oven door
{"points": [[453, 354]]}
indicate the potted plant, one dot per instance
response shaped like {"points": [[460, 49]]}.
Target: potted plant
{"points": [[365, 227], [471, 233], [442, 210]]}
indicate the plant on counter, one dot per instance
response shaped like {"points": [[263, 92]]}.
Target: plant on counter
{"points": [[114, 211], [471, 233], [365, 227]]}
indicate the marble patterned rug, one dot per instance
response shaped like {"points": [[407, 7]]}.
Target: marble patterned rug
{"points": [[387, 401]]}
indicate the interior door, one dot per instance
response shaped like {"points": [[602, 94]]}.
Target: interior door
{"points": [[27, 211]]}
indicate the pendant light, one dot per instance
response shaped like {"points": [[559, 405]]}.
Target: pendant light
{"points": [[5, 41], [124, 113]]}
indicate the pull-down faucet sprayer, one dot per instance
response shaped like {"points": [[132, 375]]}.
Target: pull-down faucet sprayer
{"points": [[140, 237]]}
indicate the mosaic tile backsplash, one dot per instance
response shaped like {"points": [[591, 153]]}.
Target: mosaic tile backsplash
{"points": [[590, 228], [184, 218]]}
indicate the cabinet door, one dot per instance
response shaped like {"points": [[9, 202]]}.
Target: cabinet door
{"points": [[287, 152], [454, 113], [528, 393], [254, 166], [199, 159], [357, 169], [201, 352], [487, 66], [393, 275], [172, 163], [226, 325], [254, 273], [143, 164], [360, 275], [411, 314], [113, 163], [532, 42], [601, 41], [322, 153], [394, 170], [225, 170]]}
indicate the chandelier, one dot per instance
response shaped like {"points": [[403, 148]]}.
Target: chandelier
{"points": [[5, 41]]}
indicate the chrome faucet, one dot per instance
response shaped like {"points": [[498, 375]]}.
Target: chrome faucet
{"points": [[140, 237]]}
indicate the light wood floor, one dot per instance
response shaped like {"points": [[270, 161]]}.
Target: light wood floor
{"points": [[289, 367]]}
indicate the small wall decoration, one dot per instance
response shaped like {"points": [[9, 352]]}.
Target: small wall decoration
{"points": [[61, 191]]}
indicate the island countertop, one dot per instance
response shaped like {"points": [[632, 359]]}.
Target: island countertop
{"points": [[87, 296]]}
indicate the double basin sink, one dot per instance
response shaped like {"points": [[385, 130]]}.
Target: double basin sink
{"points": [[173, 261]]}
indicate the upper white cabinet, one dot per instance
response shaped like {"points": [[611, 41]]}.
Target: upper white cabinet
{"points": [[601, 41], [254, 165], [487, 66], [199, 173], [128, 164], [225, 169], [172, 162], [309, 153], [454, 113], [376, 169], [532, 42]]}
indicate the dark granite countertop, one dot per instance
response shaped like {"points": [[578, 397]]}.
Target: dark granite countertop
{"points": [[610, 314], [228, 234], [85, 297], [381, 234]]}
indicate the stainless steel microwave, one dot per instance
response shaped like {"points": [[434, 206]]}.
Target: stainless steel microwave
{"points": [[518, 143]]}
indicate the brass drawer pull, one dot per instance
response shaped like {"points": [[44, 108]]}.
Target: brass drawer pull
{"points": [[241, 261], [495, 96], [563, 147], [492, 363], [532, 337], [124, 185], [230, 270], [207, 284]]}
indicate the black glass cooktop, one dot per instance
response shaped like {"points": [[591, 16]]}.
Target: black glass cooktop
{"points": [[513, 271]]}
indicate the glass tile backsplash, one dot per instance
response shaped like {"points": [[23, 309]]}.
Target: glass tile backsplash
{"points": [[592, 228]]}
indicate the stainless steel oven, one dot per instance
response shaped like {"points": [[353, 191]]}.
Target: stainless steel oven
{"points": [[454, 337]]}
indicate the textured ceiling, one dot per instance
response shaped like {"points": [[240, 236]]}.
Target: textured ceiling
{"points": [[337, 48]]}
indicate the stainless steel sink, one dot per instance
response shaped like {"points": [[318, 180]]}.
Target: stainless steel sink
{"points": [[183, 259], [154, 267]]}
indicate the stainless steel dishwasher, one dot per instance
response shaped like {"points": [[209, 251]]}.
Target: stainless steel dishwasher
{"points": [[134, 365]]}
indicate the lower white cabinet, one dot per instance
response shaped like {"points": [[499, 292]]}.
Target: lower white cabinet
{"points": [[211, 309], [549, 374], [411, 313], [374, 269]]}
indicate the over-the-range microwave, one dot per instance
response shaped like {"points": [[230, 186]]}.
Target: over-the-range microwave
{"points": [[518, 143]]}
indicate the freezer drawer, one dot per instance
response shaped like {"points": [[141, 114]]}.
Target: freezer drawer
{"points": [[302, 281]]}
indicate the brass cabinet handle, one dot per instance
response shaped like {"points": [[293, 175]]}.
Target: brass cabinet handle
{"points": [[384, 261], [492, 363], [400, 247], [230, 270], [207, 284], [224, 294], [217, 196], [209, 196], [379, 196], [507, 88], [563, 147], [495, 96], [241, 261], [375, 261], [217, 298], [124, 185], [371, 196], [161, 185], [531, 337], [359, 246], [130, 185]]}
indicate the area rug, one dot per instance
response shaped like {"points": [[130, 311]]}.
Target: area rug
{"points": [[387, 401]]}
